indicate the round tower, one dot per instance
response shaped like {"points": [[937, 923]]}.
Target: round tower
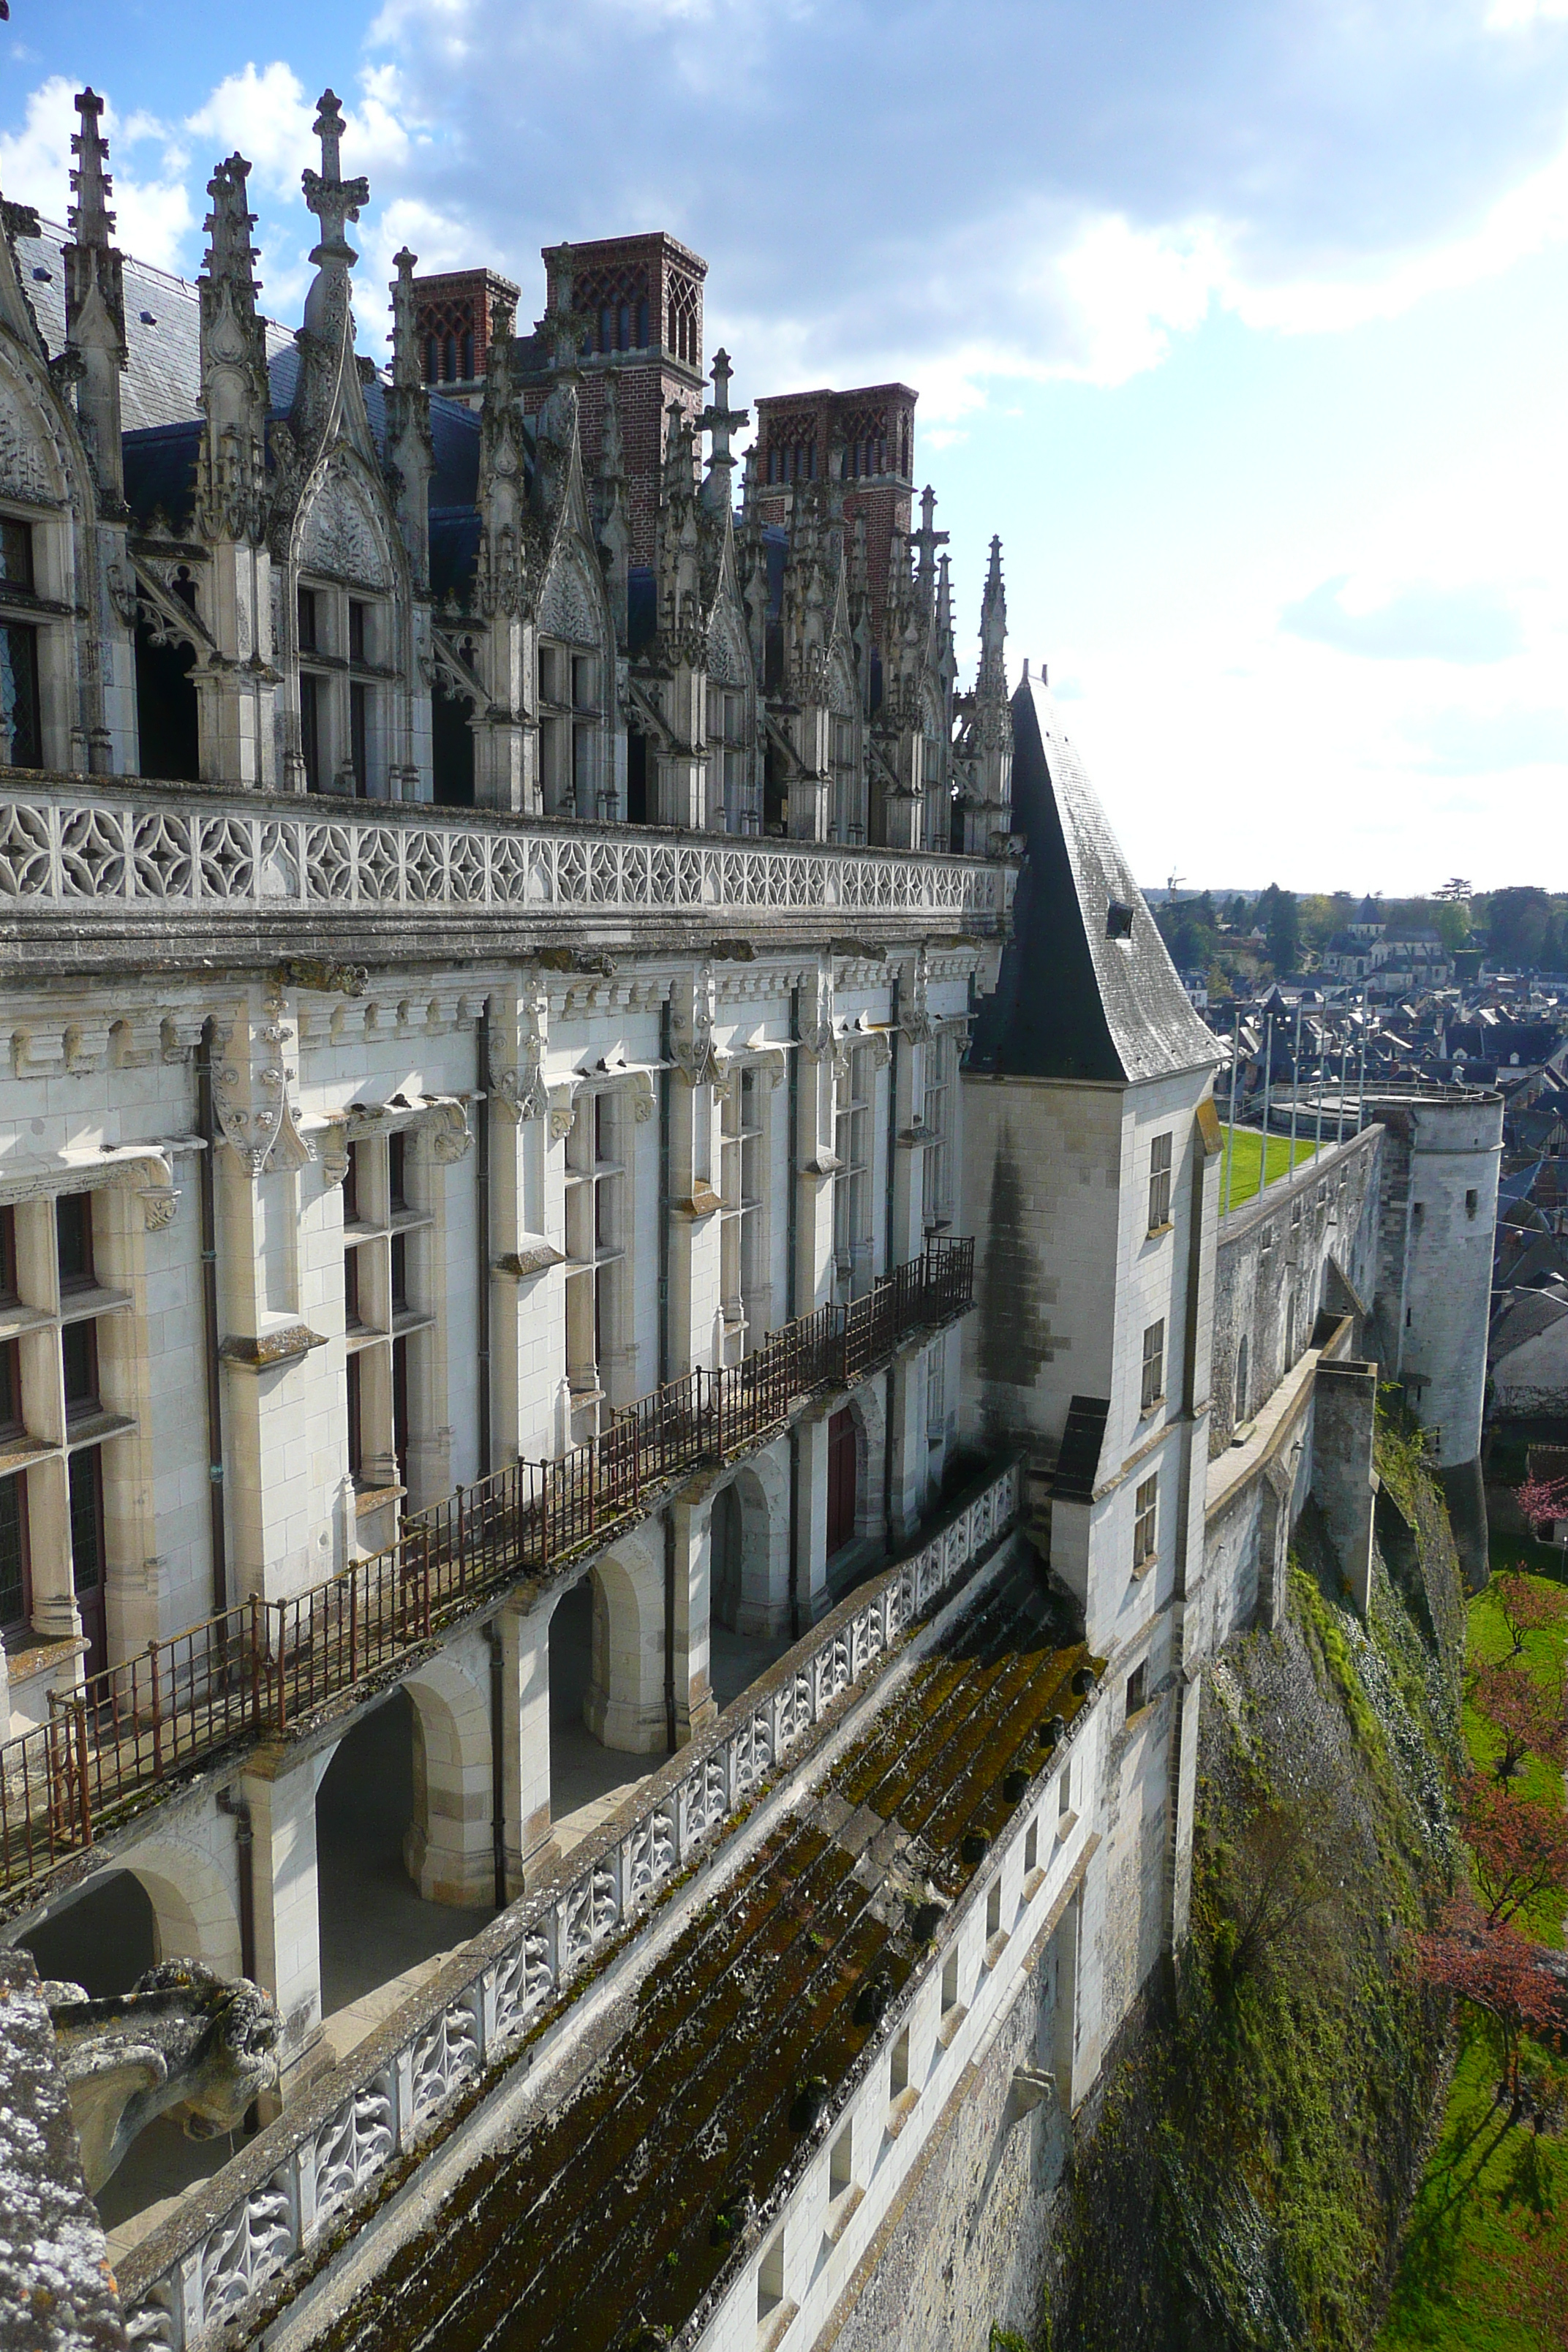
{"points": [[1440, 1238]]}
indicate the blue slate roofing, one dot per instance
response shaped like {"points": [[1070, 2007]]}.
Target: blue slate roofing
{"points": [[1087, 990]]}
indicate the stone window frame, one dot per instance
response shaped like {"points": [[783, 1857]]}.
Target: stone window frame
{"points": [[570, 706], [379, 1231], [1152, 1393], [854, 1095], [50, 1434], [350, 665], [1145, 1523], [1160, 1173], [597, 1238]]}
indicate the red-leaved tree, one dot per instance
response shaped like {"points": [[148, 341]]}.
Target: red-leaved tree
{"points": [[1519, 1848], [1529, 1718], [1499, 1972], [1542, 1498], [1528, 1604]]}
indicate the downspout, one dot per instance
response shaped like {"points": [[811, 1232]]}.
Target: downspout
{"points": [[791, 1238], [206, 1182], [482, 1232], [497, 1774], [666, 1238], [888, 1219]]}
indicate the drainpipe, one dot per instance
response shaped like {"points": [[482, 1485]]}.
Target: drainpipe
{"points": [[665, 1058], [239, 1812], [669, 1628], [797, 1606], [887, 1214], [497, 1775], [792, 1239], [206, 1184], [482, 1229]]}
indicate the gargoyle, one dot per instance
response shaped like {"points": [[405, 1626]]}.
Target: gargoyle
{"points": [[183, 2042]]}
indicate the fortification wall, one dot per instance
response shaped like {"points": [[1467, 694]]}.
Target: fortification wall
{"points": [[1439, 1211], [1275, 1262]]}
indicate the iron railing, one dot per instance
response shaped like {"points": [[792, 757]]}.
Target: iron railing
{"points": [[254, 1670]]}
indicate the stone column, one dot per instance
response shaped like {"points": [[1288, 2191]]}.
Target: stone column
{"points": [[524, 1635], [281, 1790], [695, 1706]]}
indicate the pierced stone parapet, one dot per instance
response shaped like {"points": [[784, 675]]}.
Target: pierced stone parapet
{"points": [[64, 850], [197, 2275]]}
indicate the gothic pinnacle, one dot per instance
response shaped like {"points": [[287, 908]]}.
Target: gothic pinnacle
{"points": [[90, 220]]}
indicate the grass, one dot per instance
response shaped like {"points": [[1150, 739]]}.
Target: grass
{"points": [[1494, 2198], [1242, 1156]]}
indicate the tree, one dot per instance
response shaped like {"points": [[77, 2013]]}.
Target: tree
{"points": [[1529, 1721], [1518, 1847], [1277, 918], [1528, 1605], [1516, 924], [1498, 1973]]}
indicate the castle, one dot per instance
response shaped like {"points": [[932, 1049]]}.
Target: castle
{"points": [[629, 1426]]}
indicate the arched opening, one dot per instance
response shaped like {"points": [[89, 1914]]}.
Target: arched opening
{"points": [[748, 1614], [843, 1479], [167, 736], [379, 1938], [594, 1703], [726, 1535], [104, 1938], [452, 750]]}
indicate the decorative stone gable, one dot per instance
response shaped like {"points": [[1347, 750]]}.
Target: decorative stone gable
{"points": [[566, 609], [339, 537]]}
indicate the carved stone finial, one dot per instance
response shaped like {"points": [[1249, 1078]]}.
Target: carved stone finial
{"points": [[406, 371], [89, 218], [722, 422], [335, 202]]}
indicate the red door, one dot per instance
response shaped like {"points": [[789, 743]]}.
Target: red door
{"points": [[841, 1473]]}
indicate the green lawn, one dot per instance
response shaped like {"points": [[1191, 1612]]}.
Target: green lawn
{"points": [[1495, 2195], [1243, 1176]]}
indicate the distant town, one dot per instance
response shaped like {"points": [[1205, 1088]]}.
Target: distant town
{"points": [[1329, 1002]]}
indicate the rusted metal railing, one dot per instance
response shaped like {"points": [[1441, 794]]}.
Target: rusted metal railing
{"points": [[257, 1669]]}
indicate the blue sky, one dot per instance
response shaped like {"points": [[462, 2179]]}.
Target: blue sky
{"points": [[1245, 323]]}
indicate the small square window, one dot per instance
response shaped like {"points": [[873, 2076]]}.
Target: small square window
{"points": [[1031, 1847], [993, 1910], [1137, 1690], [1153, 1365], [1064, 1798], [16, 553], [1472, 1202], [950, 1982]]}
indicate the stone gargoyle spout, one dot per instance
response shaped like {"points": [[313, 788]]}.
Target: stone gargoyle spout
{"points": [[184, 2042]]}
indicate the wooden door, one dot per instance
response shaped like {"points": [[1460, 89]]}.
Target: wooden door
{"points": [[842, 1472]]}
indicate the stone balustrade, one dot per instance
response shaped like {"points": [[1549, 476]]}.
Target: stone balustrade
{"points": [[133, 850], [303, 2174]]}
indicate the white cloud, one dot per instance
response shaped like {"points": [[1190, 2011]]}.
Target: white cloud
{"points": [[1509, 15], [153, 216]]}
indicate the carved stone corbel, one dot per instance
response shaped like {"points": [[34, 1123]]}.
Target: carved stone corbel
{"points": [[693, 1004], [451, 1137], [914, 999], [253, 1092]]}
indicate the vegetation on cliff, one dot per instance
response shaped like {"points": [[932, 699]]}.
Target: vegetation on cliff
{"points": [[1243, 2186], [1485, 2264]]}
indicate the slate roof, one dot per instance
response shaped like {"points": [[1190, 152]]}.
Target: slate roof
{"points": [[1073, 1000], [160, 393], [162, 375], [1524, 1316]]}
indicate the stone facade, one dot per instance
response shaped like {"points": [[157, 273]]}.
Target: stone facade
{"points": [[532, 996]]}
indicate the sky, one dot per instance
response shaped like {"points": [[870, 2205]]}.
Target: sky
{"points": [[1245, 323]]}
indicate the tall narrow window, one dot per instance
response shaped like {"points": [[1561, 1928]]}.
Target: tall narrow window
{"points": [[73, 1241], [7, 1256], [78, 1358], [16, 554], [740, 1132], [357, 630], [852, 1183], [356, 1447], [359, 736], [594, 1243], [310, 729], [15, 1597], [10, 1388], [310, 619], [1159, 1183], [1153, 1365], [21, 736], [934, 1204], [397, 1171], [1146, 1508]]}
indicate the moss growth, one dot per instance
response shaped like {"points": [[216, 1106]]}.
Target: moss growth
{"points": [[1242, 2188]]}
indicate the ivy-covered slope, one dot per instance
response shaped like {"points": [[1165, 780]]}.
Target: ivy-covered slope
{"points": [[1242, 2186]]}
